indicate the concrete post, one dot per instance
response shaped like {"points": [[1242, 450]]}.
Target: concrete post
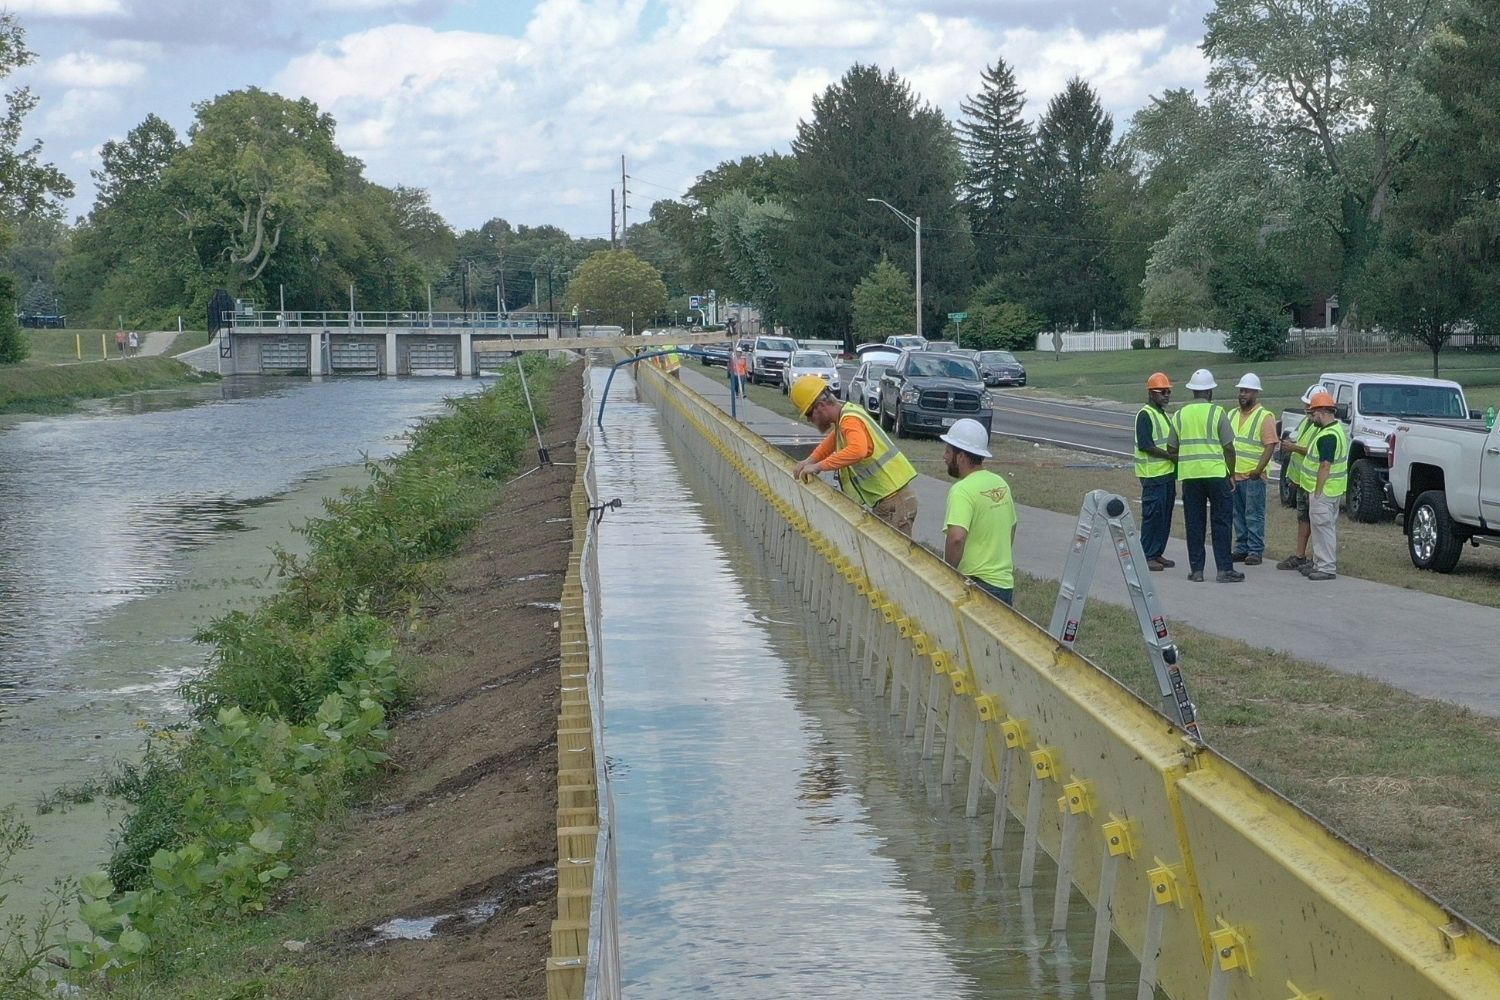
{"points": [[466, 353], [315, 353], [391, 367]]}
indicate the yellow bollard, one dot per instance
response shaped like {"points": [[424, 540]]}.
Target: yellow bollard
{"points": [[78, 346], [103, 346]]}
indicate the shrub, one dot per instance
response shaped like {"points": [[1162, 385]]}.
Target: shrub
{"points": [[1137, 343], [1257, 332], [1155, 341]]}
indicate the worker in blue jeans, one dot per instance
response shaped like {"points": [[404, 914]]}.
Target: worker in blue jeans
{"points": [[1156, 468]]}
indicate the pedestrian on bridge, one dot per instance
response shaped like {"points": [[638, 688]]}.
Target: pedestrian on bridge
{"points": [[1156, 468], [1205, 456], [870, 469], [1254, 444], [979, 528], [1327, 464]]}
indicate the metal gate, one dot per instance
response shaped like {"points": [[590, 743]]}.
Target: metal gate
{"points": [[434, 356], [354, 355], [284, 354], [491, 361]]}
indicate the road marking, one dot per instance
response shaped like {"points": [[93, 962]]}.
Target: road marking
{"points": [[1073, 420]]}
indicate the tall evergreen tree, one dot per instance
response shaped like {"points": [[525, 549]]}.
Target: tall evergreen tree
{"points": [[870, 137], [996, 144]]}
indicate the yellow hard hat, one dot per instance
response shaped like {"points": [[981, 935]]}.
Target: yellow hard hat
{"points": [[806, 391]]}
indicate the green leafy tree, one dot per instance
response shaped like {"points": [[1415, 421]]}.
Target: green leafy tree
{"points": [[883, 304], [995, 323], [615, 287], [750, 238], [996, 143], [871, 137], [1176, 298]]}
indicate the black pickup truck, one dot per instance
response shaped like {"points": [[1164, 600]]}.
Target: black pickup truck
{"points": [[924, 392]]}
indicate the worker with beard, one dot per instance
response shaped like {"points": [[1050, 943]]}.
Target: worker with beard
{"points": [[979, 528]]}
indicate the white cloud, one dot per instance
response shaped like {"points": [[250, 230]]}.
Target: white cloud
{"points": [[65, 9], [85, 69], [78, 109]]}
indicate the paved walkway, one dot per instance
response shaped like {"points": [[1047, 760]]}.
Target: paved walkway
{"points": [[1431, 646]]}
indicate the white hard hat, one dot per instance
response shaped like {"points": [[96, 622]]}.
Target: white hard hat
{"points": [[1308, 395], [1202, 379], [1250, 381], [968, 435]]}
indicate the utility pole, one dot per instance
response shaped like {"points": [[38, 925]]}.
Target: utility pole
{"points": [[613, 236], [624, 202], [500, 295]]}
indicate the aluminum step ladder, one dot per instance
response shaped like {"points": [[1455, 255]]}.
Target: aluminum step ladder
{"points": [[1104, 511]]}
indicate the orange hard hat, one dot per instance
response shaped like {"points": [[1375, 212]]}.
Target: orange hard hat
{"points": [[1158, 380], [1321, 400]]}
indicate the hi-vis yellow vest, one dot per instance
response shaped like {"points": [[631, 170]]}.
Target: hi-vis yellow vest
{"points": [[880, 475], [1338, 469], [1297, 467], [1199, 453], [1149, 466], [1247, 443]]}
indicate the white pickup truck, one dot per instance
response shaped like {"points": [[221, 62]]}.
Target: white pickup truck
{"points": [[1371, 406], [1445, 476]]}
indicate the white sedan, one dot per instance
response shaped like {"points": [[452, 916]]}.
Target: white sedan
{"points": [[865, 385], [819, 363]]}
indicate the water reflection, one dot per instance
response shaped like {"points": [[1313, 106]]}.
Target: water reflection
{"points": [[777, 837]]}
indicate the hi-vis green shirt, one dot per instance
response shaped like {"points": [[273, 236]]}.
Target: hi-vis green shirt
{"points": [[1202, 432], [981, 503]]}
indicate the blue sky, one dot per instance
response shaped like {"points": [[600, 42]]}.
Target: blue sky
{"points": [[521, 110]]}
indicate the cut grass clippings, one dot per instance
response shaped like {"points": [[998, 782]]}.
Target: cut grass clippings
{"points": [[1056, 479], [1414, 781], [53, 388]]}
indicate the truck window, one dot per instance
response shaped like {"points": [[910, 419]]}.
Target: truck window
{"points": [[1441, 401], [1346, 393]]}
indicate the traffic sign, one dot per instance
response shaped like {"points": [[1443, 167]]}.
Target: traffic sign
{"points": [[695, 301], [958, 317]]}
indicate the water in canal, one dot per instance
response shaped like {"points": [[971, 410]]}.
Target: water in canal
{"points": [[776, 839], [126, 528]]}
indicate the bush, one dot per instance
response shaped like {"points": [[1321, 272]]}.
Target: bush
{"points": [[1257, 333], [1138, 343], [1155, 341]]}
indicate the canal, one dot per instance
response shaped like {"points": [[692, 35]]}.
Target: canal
{"points": [[777, 837], [127, 527]]}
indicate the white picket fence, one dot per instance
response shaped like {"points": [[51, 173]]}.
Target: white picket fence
{"points": [[1074, 341]]}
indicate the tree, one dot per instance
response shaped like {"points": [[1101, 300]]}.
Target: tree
{"points": [[996, 144], [995, 323], [1174, 299], [883, 304], [615, 287], [750, 238], [1333, 88], [870, 137]]}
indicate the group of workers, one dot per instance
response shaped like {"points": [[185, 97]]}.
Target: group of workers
{"points": [[979, 526], [1220, 457], [1218, 454]]}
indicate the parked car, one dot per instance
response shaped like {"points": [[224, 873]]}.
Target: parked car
{"points": [[1372, 406], [865, 385], [1001, 368], [714, 354], [925, 392], [768, 356], [1445, 479], [946, 346], [819, 363], [906, 341]]}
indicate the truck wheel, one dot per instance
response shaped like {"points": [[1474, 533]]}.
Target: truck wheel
{"points": [[885, 422], [901, 431], [1364, 500], [1285, 488], [1432, 539]]}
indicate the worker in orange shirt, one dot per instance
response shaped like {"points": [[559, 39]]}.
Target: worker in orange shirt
{"points": [[870, 469]]}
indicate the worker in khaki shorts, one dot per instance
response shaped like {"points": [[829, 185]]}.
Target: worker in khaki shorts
{"points": [[869, 467], [1327, 467], [1296, 473]]}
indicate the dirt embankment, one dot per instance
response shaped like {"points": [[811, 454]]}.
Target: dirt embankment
{"points": [[464, 828]]}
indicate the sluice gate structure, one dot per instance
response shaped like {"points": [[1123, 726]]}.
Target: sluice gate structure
{"points": [[1218, 886]]}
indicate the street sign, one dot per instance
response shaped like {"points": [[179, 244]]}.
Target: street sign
{"points": [[695, 301], [958, 317]]}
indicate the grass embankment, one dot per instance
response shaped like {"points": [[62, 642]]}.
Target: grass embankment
{"points": [[289, 722], [1121, 375], [1056, 479], [52, 388], [61, 347], [1415, 781]]}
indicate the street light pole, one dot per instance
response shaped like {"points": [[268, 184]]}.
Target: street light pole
{"points": [[915, 225]]}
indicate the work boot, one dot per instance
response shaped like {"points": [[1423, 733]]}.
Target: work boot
{"points": [[1230, 576], [1165, 561], [1239, 556], [1196, 576], [1291, 562], [1306, 568], [1155, 565], [1252, 560], [1319, 575]]}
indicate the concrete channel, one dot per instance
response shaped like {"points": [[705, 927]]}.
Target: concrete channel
{"points": [[825, 768]]}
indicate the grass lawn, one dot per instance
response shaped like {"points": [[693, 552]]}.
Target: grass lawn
{"points": [[1121, 375], [59, 347], [1414, 781], [1056, 479]]}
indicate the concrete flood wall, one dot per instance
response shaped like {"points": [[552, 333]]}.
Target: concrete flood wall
{"points": [[1218, 886]]}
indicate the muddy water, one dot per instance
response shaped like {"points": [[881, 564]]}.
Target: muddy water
{"points": [[125, 529], [776, 838]]}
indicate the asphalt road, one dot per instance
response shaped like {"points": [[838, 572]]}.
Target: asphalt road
{"points": [[1070, 425]]}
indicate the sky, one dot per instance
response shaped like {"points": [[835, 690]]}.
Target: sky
{"points": [[521, 110]]}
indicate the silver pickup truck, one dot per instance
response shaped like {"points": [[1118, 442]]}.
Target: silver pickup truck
{"points": [[1445, 477]]}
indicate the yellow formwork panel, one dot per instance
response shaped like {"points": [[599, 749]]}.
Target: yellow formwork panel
{"points": [[1243, 893]]}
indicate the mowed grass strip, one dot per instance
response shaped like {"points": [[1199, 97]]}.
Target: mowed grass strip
{"points": [[1056, 479], [52, 388], [61, 347], [1416, 782]]}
